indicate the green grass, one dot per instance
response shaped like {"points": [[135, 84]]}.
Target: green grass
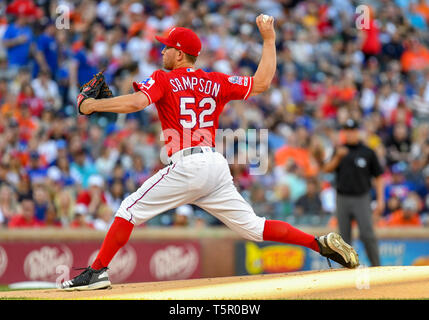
{"points": [[5, 287]]}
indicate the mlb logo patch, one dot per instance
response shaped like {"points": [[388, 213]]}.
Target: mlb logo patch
{"points": [[236, 80]]}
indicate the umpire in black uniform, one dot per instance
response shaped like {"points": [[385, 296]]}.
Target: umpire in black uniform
{"points": [[355, 165]]}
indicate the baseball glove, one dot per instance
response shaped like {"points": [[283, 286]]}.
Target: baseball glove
{"points": [[96, 88]]}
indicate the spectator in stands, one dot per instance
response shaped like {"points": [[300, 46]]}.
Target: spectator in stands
{"points": [[17, 40], [64, 202], [8, 204], [424, 191], [36, 170], [258, 200], [408, 215], [104, 218], [393, 49], [371, 44], [283, 205], [81, 219], [308, 208], [416, 19], [415, 56], [27, 98], [115, 195], [51, 218], [294, 178], [399, 145], [81, 168], [64, 167], [94, 196], [398, 186], [84, 65], [414, 174], [41, 202], [26, 217], [28, 124], [23, 187], [118, 174], [393, 204], [183, 215], [139, 173], [47, 90], [46, 51], [4, 170]]}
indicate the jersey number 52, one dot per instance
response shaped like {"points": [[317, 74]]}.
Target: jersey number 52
{"points": [[186, 109]]}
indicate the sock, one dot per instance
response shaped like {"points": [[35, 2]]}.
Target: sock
{"points": [[280, 231], [116, 238]]}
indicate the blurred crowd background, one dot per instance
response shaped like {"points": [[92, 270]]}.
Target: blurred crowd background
{"points": [[63, 170]]}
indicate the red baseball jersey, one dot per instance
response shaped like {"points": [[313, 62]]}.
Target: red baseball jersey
{"points": [[189, 103]]}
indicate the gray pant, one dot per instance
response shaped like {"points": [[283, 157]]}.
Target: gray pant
{"points": [[359, 209]]}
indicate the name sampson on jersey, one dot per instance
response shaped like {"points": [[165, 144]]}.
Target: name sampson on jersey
{"points": [[195, 83]]}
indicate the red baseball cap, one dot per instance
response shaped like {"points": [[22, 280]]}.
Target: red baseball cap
{"points": [[182, 39]]}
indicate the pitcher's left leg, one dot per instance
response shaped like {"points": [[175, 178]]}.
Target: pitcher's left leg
{"points": [[229, 206]]}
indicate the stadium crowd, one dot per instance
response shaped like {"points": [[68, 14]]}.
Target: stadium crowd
{"points": [[63, 170]]}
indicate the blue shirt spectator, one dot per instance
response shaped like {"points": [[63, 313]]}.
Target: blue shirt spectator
{"points": [[18, 38], [85, 69], [294, 86], [47, 51], [36, 170]]}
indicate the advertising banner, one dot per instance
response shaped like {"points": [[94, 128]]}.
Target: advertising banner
{"points": [[398, 252], [271, 257], [136, 262]]}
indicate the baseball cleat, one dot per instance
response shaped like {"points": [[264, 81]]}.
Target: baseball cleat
{"points": [[89, 279], [332, 246]]}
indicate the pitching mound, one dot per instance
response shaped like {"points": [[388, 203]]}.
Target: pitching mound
{"points": [[362, 283]]}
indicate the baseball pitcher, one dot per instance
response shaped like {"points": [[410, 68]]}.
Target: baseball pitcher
{"points": [[189, 102]]}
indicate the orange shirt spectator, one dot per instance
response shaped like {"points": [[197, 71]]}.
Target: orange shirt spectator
{"points": [[301, 157], [407, 216], [415, 57], [399, 218], [171, 6], [422, 8]]}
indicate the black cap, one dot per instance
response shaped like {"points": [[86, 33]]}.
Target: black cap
{"points": [[350, 124]]}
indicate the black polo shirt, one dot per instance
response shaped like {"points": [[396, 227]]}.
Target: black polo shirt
{"points": [[356, 169]]}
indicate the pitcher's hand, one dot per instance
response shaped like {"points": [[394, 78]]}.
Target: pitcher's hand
{"points": [[266, 28]]}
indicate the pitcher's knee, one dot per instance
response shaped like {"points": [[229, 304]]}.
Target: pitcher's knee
{"points": [[125, 214], [252, 230]]}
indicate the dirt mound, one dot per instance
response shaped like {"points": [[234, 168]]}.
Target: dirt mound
{"points": [[361, 283]]}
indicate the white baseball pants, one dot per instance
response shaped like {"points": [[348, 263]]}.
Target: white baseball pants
{"points": [[202, 179]]}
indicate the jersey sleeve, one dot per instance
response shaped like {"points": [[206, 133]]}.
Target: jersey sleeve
{"points": [[237, 87], [152, 87], [375, 167]]}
